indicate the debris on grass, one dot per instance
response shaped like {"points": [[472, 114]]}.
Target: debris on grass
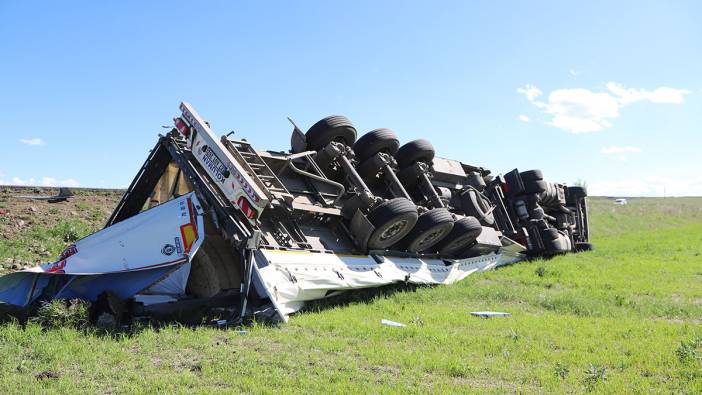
{"points": [[488, 314], [392, 323]]}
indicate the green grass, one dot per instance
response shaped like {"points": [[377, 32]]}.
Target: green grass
{"points": [[43, 244], [622, 318]]}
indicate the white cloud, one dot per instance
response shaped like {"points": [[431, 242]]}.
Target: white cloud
{"points": [[530, 91], [581, 110], [34, 141], [45, 182], [647, 186], [620, 150], [658, 95], [524, 118], [573, 72], [53, 182], [19, 181]]}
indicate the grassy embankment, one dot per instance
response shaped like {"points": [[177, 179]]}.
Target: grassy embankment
{"points": [[623, 318]]}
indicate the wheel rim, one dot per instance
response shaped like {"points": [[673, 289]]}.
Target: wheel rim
{"points": [[431, 237], [393, 230]]}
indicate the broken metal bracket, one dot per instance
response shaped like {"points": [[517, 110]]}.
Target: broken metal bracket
{"points": [[254, 241]]}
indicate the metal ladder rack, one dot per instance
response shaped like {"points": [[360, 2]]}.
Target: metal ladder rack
{"points": [[286, 231], [257, 168]]}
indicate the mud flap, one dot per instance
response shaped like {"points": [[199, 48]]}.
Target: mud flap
{"points": [[361, 229]]}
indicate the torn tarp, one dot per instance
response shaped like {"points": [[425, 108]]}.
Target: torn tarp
{"points": [[150, 250], [291, 278]]}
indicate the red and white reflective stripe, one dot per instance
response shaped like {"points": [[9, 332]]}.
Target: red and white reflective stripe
{"points": [[246, 208]]}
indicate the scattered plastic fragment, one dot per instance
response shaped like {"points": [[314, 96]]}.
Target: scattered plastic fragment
{"points": [[392, 323], [488, 314]]}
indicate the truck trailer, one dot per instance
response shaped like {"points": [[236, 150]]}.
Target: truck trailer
{"points": [[213, 224]]}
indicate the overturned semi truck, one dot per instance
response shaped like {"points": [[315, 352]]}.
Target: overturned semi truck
{"points": [[213, 223]]}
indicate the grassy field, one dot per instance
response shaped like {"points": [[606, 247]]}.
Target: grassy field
{"points": [[623, 318]]}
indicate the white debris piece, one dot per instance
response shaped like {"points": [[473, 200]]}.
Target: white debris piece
{"points": [[392, 323]]}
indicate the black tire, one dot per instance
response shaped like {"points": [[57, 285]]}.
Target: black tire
{"points": [[378, 140], [531, 175], [473, 205], [431, 227], [575, 192], [393, 220], [580, 247], [549, 197], [537, 186], [332, 128], [555, 247], [415, 151], [550, 234], [463, 234], [555, 241]]}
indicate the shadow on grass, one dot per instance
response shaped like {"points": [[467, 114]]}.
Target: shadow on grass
{"points": [[361, 296], [120, 324], [91, 319]]}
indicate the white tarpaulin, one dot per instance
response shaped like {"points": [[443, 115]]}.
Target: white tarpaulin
{"points": [[153, 247], [292, 277]]}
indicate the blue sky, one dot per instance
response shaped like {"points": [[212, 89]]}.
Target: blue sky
{"points": [[606, 92]]}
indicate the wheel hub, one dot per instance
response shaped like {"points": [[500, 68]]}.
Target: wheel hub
{"points": [[431, 237], [393, 230]]}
